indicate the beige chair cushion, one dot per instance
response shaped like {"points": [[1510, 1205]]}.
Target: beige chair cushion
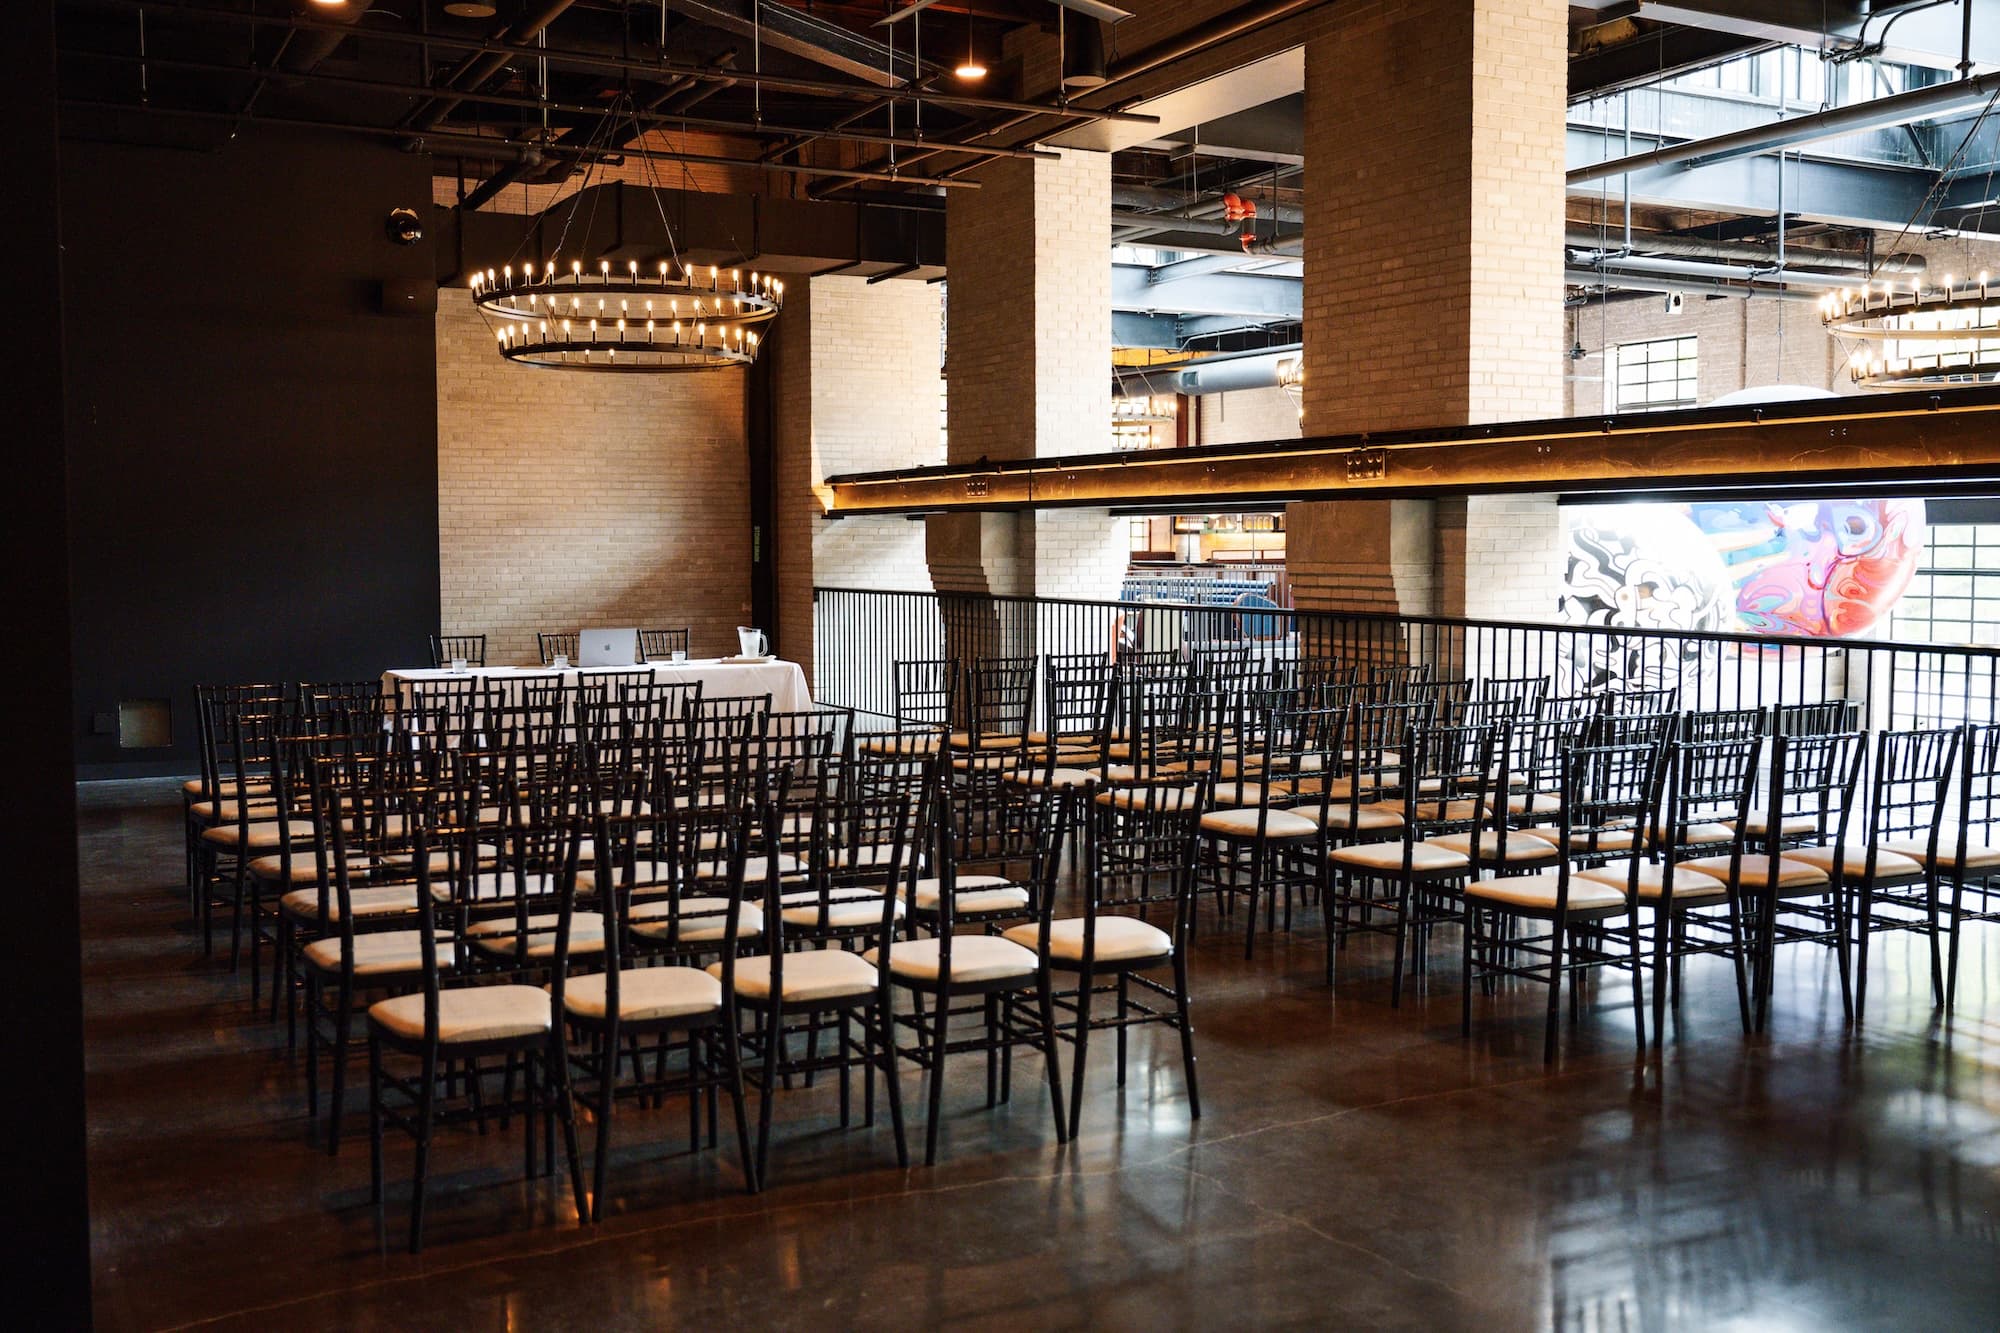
{"points": [[1387, 858], [995, 741], [912, 743], [645, 993], [1580, 840], [1791, 826], [469, 1014], [1520, 845], [975, 895], [702, 920], [1537, 893], [387, 900], [1792, 875], [491, 885], [496, 936], [1540, 803], [974, 958], [1978, 855], [845, 909], [1119, 939], [305, 866], [228, 788], [1379, 818], [869, 856], [1853, 861], [1697, 835], [816, 974], [381, 953], [1140, 798], [645, 874], [1245, 793], [1061, 778], [224, 811], [1243, 824], [754, 869], [1689, 889], [263, 836]]}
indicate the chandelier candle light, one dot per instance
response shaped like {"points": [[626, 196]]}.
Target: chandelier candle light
{"points": [[1948, 334], [684, 318]]}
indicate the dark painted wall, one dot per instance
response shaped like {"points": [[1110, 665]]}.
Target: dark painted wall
{"points": [[252, 446]]}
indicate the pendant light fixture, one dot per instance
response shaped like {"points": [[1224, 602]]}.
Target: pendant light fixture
{"points": [[971, 69]]}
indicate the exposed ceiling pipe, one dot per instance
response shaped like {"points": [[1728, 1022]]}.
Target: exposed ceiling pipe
{"points": [[1694, 247], [1226, 373], [477, 69], [1703, 268], [1174, 203], [304, 55], [1658, 282], [1882, 113], [1173, 222]]}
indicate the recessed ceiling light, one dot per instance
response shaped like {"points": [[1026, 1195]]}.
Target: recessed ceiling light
{"points": [[471, 9]]}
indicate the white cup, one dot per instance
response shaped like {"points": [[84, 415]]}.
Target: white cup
{"points": [[678, 655], [562, 662], [458, 665]]}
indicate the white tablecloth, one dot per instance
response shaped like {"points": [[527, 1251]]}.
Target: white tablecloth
{"points": [[785, 682]]}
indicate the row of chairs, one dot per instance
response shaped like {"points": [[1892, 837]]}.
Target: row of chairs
{"points": [[654, 645], [452, 867], [1403, 802]]}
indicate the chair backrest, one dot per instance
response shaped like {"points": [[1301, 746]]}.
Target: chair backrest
{"points": [[1702, 784], [1570, 707], [1439, 694], [447, 648], [605, 686], [458, 699], [1664, 699], [1079, 697], [558, 642], [1139, 849], [1299, 758], [926, 692], [1975, 816], [668, 698], [1811, 780], [1390, 682], [1825, 718], [854, 852], [1722, 724], [1378, 737], [1526, 693], [320, 696], [212, 706], [657, 643], [1608, 791], [1449, 782], [999, 692], [638, 841], [1909, 790]]}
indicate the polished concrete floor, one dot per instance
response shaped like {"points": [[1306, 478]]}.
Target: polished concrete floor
{"points": [[1355, 1166]]}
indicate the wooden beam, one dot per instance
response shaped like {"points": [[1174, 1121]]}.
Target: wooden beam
{"points": [[1951, 434]]}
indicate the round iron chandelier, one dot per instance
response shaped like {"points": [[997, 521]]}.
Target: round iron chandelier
{"points": [[570, 313], [1949, 335], [672, 319]]}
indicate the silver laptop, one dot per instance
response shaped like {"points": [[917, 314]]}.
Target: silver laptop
{"points": [[607, 647]]}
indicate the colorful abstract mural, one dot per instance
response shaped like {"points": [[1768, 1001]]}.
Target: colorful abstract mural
{"points": [[1822, 568]]}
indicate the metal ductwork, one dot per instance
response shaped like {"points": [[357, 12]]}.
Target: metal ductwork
{"points": [[1226, 373], [1643, 282], [1611, 243], [1945, 99]]}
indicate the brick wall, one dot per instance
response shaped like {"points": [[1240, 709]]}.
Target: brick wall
{"points": [[568, 500], [856, 390], [1248, 415]]}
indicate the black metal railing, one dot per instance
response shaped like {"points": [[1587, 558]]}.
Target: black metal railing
{"points": [[859, 633]]}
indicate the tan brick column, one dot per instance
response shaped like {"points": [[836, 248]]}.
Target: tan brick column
{"points": [[855, 389], [1028, 374], [1434, 207]]}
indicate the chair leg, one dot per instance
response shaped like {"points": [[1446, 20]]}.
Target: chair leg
{"points": [[342, 1017], [1856, 988], [774, 1034], [1638, 980], [884, 1021], [375, 1125], [1249, 917], [312, 1051], [426, 1109], [565, 1109], [1931, 933], [729, 1044], [1738, 947], [1957, 921], [1402, 914], [1556, 938], [934, 1081], [1124, 1011], [1467, 938], [607, 1099], [1185, 1022], [1045, 1003], [1082, 1051]]}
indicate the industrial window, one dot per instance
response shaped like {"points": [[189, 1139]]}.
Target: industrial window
{"points": [[1953, 598], [1655, 374]]}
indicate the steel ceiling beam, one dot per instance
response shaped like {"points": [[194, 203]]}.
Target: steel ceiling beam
{"points": [[800, 34], [659, 70], [1943, 434], [1261, 295]]}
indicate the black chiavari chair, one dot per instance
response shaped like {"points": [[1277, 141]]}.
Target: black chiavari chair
{"points": [[448, 648], [661, 644], [558, 643]]}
